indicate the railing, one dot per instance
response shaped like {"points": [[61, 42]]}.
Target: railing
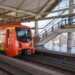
{"points": [[50, 28]]}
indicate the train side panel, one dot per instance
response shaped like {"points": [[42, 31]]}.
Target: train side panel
{"points": [[9, 42]]}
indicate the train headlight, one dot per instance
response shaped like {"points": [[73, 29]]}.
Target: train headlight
{"points": [[31, 44], [19, 45]]}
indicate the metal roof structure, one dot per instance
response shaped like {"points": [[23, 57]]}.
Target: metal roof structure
{"points": [[17, 10]]}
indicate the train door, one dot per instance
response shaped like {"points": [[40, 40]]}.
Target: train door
{"points": [[10, 42], [7, 43], [7, 38]]}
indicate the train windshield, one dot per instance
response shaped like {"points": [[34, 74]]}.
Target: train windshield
{"points": [[23, 34]]}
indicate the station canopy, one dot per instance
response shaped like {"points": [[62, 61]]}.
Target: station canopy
{"points": [[21, 10]]}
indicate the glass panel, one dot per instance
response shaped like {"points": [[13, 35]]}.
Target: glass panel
{"points": [[23, 34], [1, 38]]}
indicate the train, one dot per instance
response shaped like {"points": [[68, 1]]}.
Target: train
{"points": [[16, 39]]}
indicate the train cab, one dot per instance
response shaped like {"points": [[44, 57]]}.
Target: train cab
{"points": [[17, 39]]}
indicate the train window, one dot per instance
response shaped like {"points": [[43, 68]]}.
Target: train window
{"points": [[1, 38], [23, 34]]}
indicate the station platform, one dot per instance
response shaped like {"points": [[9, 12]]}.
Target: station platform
{"points": [[44, 50]]}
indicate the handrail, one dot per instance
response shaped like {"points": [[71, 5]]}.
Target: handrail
{"points": [[48, 30], [50, 23]]}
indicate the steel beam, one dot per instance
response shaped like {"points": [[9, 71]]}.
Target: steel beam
{"points": [[49, 4], [15, 10], [53, 17]]}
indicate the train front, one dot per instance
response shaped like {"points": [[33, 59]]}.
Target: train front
{"points": [[25, 41]]}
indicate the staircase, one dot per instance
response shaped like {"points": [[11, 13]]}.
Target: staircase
{"points": [[51, 31]]}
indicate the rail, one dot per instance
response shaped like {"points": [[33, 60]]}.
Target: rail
{"points": [[48, 59], [18, 67], [50, 28]]}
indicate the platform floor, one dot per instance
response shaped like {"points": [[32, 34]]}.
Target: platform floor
{"points": [[43, 49]]}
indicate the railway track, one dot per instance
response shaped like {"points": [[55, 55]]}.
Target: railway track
{"points": [[3, 72], [18, 67], [65, 64], [12, 69]]}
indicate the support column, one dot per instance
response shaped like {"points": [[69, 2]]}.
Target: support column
{"points": [[69, 41], [36, 24], [36, 27]]}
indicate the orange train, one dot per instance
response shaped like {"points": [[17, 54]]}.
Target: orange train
{"points": [[16, 39]]}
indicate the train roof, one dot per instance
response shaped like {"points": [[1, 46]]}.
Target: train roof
{"points": [[3, 26]]}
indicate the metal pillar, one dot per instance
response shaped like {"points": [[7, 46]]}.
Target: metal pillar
{"points": [[69, 41], [36, 27]]}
